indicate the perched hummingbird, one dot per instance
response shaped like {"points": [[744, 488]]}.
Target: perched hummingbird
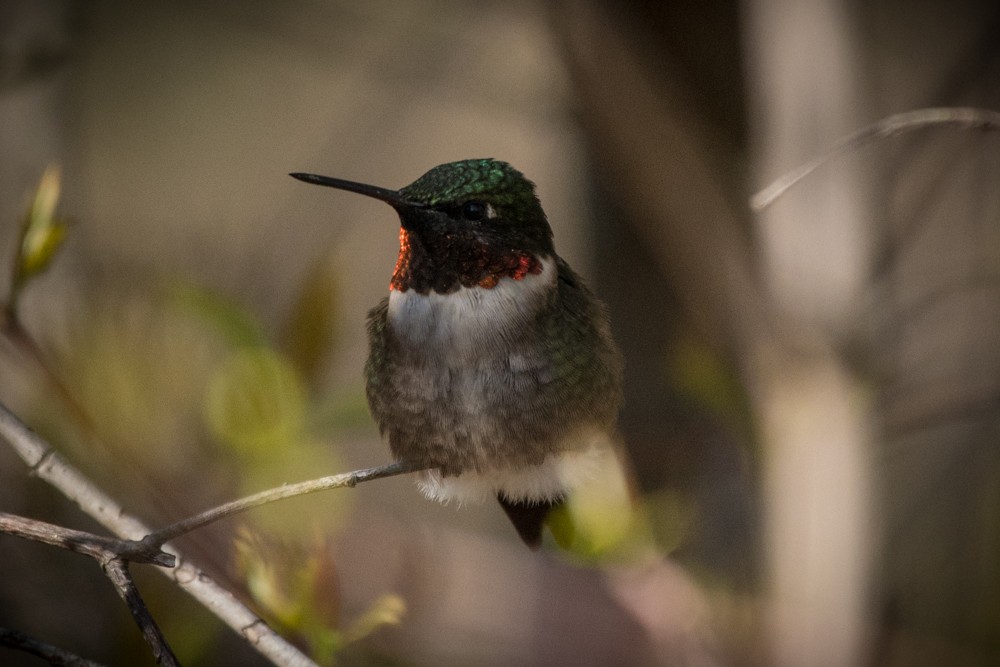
{"points": [[490, 361]]}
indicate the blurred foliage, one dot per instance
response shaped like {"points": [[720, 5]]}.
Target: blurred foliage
{"points": [[695, 368], [310, 331], [256, 402], [671, 514], [296, 590], [184, 374], [180, 399], [185, 389], [235, 325], [139, 369], [610, 523], [604, 524], [340, 410]]}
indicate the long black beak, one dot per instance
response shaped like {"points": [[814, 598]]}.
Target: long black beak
{"points": [[391, 197]]}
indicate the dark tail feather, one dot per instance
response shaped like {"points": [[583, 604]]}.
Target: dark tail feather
{"points": [[528, 517]]}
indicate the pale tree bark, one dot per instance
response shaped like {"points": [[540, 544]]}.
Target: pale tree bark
{"points": [[814, 414]]}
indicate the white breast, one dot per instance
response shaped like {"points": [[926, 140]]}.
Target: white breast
{"points": [[459, 343], [464, 323]]}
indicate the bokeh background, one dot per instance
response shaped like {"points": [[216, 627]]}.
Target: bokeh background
{"points": [[813, 391]]}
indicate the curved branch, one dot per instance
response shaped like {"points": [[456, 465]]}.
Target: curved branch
{"points": [[52, 654], [964, 117]]}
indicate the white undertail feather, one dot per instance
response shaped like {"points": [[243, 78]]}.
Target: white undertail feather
{"points": [[557, 475]]}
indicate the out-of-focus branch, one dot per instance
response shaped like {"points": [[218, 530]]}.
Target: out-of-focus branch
{"points": [[13, 330], [891, 126], [665, 168], [53, 654]]}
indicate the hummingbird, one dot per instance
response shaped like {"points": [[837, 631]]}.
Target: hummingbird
{"points": [[490, 361]]}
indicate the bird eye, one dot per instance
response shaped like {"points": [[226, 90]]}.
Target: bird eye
{"points": [[474, 210]]}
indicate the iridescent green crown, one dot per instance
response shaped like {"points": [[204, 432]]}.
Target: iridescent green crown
{"points": [[485, 178]]}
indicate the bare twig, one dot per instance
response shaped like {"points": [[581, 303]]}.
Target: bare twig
{"points": [[963, 117], [101, 549], [158, 538], [95, 546], [49, 466], [117, 571], [52, 654]]}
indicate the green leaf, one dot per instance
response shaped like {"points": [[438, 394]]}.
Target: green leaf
{"points": [[560, 522], [42, 233], [600, 522]]}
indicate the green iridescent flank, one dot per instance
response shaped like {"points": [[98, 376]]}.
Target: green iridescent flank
{"points": [[459, 181]]}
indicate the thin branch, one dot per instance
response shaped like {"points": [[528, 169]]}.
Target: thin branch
{"points": [[963, 117], [117, 571], [95, 546], [101, 549], [53, 654], [158, 538], [49, 466]]}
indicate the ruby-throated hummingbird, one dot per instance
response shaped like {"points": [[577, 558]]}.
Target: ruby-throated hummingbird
{"points": [[490, 361]]}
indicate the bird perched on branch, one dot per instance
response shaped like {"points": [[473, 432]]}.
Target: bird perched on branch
{"points": [[490, 362]]}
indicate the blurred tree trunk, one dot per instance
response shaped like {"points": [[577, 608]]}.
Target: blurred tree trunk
{"points": [[860, 311], [806, 82], [665, 127]]}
